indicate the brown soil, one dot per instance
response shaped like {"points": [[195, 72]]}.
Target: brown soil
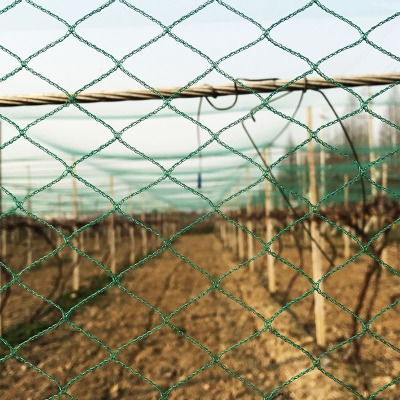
{"points": [[165, 329]]}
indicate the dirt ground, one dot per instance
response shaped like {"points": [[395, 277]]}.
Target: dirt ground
{"points": [[164, 331]]}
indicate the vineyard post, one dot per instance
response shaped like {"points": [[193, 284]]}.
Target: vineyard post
{"points": [[249, 224], [371, 154], [240, 239], [232, 234], [269, 229], [315, 252], [301, 181], [131, 232], [384, 183], [2, 249], [322, 173], [222, 232], [239, 232], [75, 258], [385, 175], [346, 238], [29, 255], [144, 232], [29, 251], [111, 231]]}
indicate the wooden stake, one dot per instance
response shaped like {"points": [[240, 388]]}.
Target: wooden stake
{"points": [[371, 153], [322, 158], [144, 234], [132, 256], [3, 252], [232, 237], [240, 241], [3, 255], [74, 193], [346, 239], [250, 243], [222, 232], [319, 308], [29, 256], [75, 256], [269, 229], [97, 239], [75, 270], [111, 233], [385, 175], [249, 225]]}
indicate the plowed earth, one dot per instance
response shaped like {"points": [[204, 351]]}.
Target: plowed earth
{"points": [[164, 332]]}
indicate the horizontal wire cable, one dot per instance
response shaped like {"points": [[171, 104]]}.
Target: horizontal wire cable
{"points": [[250, 86]]}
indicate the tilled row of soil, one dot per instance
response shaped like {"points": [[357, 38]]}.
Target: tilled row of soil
{"points": [[169, 330]]}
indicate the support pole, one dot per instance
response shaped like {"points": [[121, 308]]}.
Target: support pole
{"points": [[75, 270], [322, 162], [240, 241], [29, 250], [75, 256], [249, 225], [111, 233], [346, 239], [132, 256], [29, 255], [3, 230], [144, 234], [269, 229], [371, 154], [385, 180], [319, 309]]}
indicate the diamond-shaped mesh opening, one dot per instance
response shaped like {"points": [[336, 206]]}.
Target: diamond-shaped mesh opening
{"points": [[16, 84], [24, 17], [112, 381], [138, 318], [72, 130], [375, 371], [215, 382], [266, 361], [44, 352], [161, 51], [379, 36], [314, 384], [21, 377], [44, 63], [297, 324], [177, 283], [26, 314], [244, 63], [321, 30], [364, 278], [33, 240], [226, 40], [9, 63], [172, 361], [184, 133], [353, 57], [217, 321], [130, 23]]}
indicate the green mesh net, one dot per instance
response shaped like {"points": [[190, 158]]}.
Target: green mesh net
{"points": [[203, 248]]}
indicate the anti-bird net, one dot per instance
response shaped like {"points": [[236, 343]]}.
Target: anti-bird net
{"points": [[235, 247]]}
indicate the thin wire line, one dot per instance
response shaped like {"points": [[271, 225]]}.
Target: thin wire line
{"points": [[281, 191], [249, 87], [364, 197]]}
